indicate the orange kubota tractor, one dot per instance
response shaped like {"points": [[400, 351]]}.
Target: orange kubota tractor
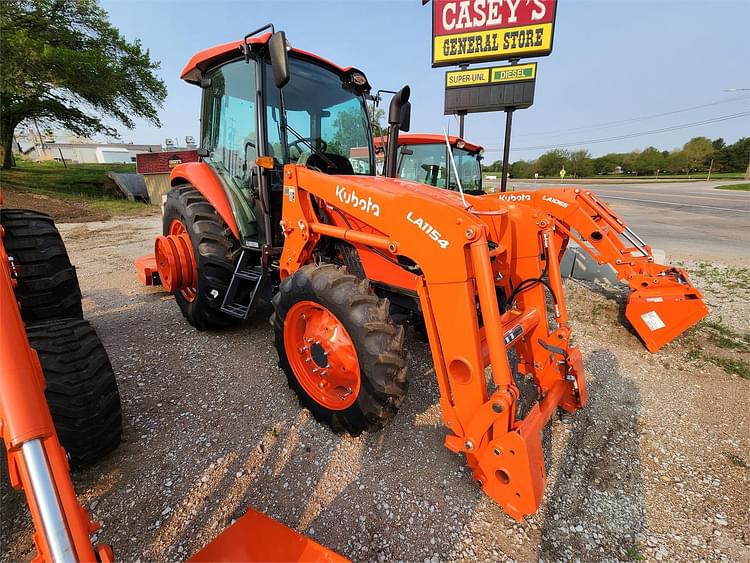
{"points": [[60, 405], [662, 302], [276, 211]]}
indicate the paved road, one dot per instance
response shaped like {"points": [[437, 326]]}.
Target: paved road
{"points": [[685, 219]]}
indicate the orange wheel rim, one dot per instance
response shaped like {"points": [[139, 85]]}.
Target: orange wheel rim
{"points": [[322, 355], [177, 228]]}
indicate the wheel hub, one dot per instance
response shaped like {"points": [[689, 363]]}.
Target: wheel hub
{"points": [[322, 355], [175, 261]]}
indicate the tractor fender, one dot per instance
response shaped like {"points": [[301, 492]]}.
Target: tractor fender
{"points": [[204, 179]]}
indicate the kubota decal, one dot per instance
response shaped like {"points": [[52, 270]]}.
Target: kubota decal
{"points": [[554, 200], [427, 229], [515, 197], [351, 198]]}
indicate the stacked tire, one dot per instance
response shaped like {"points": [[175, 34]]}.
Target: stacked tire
{"points": [[81, 390]]}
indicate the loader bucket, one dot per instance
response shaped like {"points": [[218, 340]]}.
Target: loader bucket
{"points": [[660, 313], [256, 537]]}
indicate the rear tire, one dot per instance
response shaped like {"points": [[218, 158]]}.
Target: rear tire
{"points": [[377, 342], [214, 247], [47, 282], [81, 388]]}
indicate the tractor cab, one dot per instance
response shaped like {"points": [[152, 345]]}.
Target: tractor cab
{"points": [[426, 159], [252, 124]]}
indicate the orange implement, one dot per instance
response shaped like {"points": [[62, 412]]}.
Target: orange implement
{"points": [[663, 303], [256, 537]]}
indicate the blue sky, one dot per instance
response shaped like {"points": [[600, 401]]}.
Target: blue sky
{"points": [[613, 60]]}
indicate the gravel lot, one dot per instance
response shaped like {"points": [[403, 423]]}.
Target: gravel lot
{"points": [[655, 467]]}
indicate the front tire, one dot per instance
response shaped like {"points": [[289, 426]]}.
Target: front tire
{"points": [[81, 392], [340, 350], [213, 247]]}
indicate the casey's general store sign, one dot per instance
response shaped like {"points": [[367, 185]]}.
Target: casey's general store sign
{"points": [[468, 31]]}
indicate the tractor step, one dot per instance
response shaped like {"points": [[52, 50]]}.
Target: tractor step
{"points": [[238, 303]]}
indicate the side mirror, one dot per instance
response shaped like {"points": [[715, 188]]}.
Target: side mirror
{"points": [[399, 115], [279, 58], [405, 120], [399, 100]]}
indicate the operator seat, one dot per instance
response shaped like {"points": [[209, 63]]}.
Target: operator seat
{"points": [[342, 164]]}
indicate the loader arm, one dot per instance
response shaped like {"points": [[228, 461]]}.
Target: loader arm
{"points": [[662, 303], [466, 259]]}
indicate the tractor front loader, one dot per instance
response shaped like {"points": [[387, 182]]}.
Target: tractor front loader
{"points": [[662, 302], [275, 211]]}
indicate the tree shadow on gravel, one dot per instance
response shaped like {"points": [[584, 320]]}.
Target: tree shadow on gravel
{"points": [[595, 504]]}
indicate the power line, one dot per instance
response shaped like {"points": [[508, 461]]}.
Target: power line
{"points": [[628, 121], [630, 135]]}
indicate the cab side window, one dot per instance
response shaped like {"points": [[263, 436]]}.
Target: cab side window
{"points": [[229, 120]]}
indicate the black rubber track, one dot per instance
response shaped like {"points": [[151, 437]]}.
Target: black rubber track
{"points": [[214, 247], [47, 282], [379, 344], [81, 388]]}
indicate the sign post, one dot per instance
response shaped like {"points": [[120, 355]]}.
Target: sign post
{"points": [[475, 31]]}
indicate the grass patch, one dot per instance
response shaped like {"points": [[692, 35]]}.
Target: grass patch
{"points": [[725, 337], [80, 192], [739, 187], [734, 459], [634, 553], [729, 277], [79, 181], [731, 366], [713, 342]]}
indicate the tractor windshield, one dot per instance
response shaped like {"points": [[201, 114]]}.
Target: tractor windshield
{"points": [[322, 113], [430, 164]]}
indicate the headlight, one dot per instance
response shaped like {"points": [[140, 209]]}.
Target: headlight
{"points": [[460, 144], [359, 79]]}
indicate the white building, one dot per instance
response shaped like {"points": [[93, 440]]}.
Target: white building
{"points": [[89, 153]]}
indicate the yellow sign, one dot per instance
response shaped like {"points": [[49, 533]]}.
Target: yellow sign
{"points": [[493, 75], [492, 44], [458, 78]]}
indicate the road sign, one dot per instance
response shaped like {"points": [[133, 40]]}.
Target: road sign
{"points": [[497, 88], [472, 31], [494, 75]]}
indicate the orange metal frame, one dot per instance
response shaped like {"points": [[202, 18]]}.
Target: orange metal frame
{"points": [[457, 290]]}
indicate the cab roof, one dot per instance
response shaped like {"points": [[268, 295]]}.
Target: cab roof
{"points": [[431, 139], [215, 56]]}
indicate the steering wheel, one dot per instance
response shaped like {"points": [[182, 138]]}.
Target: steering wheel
{"points": [[320, 144]]}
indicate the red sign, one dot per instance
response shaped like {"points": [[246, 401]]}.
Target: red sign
{"points": [[466, 31]]}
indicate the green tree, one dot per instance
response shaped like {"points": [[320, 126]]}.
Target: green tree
{"points": [[348, 127], [734, 157], [649, 160], [550, 163], [580, 165], [64, 64], [522, 169], [377, 118], [677, 162], [697, 150], [607, 164]]}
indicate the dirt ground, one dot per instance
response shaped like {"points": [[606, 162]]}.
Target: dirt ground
{"points": [[655, 467]]}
